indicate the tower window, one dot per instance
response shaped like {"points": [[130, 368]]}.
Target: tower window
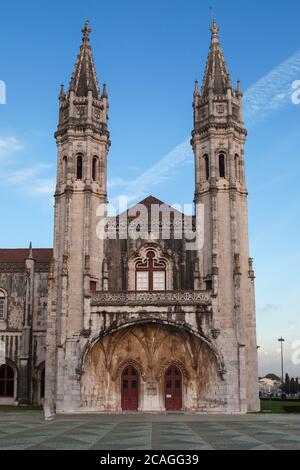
{"points": [[3, 305], [237, 167], [79, 167], [65, 168], [222, 165], [151, 274], [206, 166], [95, 169]]}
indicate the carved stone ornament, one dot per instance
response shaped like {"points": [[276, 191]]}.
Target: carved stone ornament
{"points": [[80, 110], [151, 298], [97, 114], [220, 108]]}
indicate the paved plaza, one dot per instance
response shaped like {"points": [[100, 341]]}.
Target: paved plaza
{"points": [[26, 429]]}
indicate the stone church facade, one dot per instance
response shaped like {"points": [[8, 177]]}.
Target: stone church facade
{"points": [[120, 323]]}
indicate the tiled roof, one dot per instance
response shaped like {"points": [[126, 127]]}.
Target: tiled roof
{"points": [[19, 255], [147, 203]]}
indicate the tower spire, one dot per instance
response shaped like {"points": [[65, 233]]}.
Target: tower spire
{"points": [[216, 76], [84, 77]]}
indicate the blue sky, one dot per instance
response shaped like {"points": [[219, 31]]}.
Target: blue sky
{"points": [[150, 53]]}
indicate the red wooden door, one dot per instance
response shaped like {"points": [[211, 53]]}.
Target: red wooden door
{"points": [[130, 389], [7, 381], [173, 389]]}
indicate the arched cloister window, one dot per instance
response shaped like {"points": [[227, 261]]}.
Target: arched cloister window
{"points": [[95, 169], [150, 274], [3, 304], [7, 381], [222, 171], [237, 167], [79, 167], [206, 166], [65, 168]]}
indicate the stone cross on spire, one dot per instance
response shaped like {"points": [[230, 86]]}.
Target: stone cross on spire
{"points": [[214, 31], [86, 32]]}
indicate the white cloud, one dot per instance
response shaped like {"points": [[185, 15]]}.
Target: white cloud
{"points": [[30, 180], [9, 145], [26, 174], [43, 186], [117, 183], [269, 308]]}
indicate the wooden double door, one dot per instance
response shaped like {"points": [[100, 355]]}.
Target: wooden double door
{"points": [[130, 384], [173, 389], [130, 389]]}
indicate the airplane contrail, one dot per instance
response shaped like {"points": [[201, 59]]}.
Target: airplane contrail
{"points": [[272, 91], [267, 95]]}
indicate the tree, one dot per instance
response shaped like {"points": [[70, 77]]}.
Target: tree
{"points": [[287, 379], [273, 377], [292, 386]]}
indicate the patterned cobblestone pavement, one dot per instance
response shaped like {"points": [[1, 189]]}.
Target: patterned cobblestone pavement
{"points": [[26, 429]]}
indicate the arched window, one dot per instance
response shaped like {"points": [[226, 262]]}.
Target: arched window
{"points": [[3, 304], [65, 168], [7, 381], [150, 274], [222, 165], [237, 167], [95, 169], [79, 167], [206, 166], [42, 382]]}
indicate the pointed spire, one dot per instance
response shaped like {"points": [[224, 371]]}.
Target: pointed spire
{"points": [[239, 92], [216, 76], [62, 93], [30, 255], [196, 92], [84, 77], [104, 91]]}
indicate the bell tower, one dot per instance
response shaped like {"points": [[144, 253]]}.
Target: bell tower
{"points": [[83, 142], [218, 140]]}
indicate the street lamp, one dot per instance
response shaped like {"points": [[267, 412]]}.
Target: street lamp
{"points": [[281, 340]]}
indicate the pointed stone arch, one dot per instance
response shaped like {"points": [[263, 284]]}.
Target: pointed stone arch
{"points": [[129, 362], [135, 322], [172, 361]]}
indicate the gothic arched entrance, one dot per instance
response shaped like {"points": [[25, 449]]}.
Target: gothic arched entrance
{"points": [[7, 381], [130, 389], [173, 389]]}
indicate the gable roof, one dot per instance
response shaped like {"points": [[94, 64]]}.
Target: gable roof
{"points": [[19, 255], [148, 202]]}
